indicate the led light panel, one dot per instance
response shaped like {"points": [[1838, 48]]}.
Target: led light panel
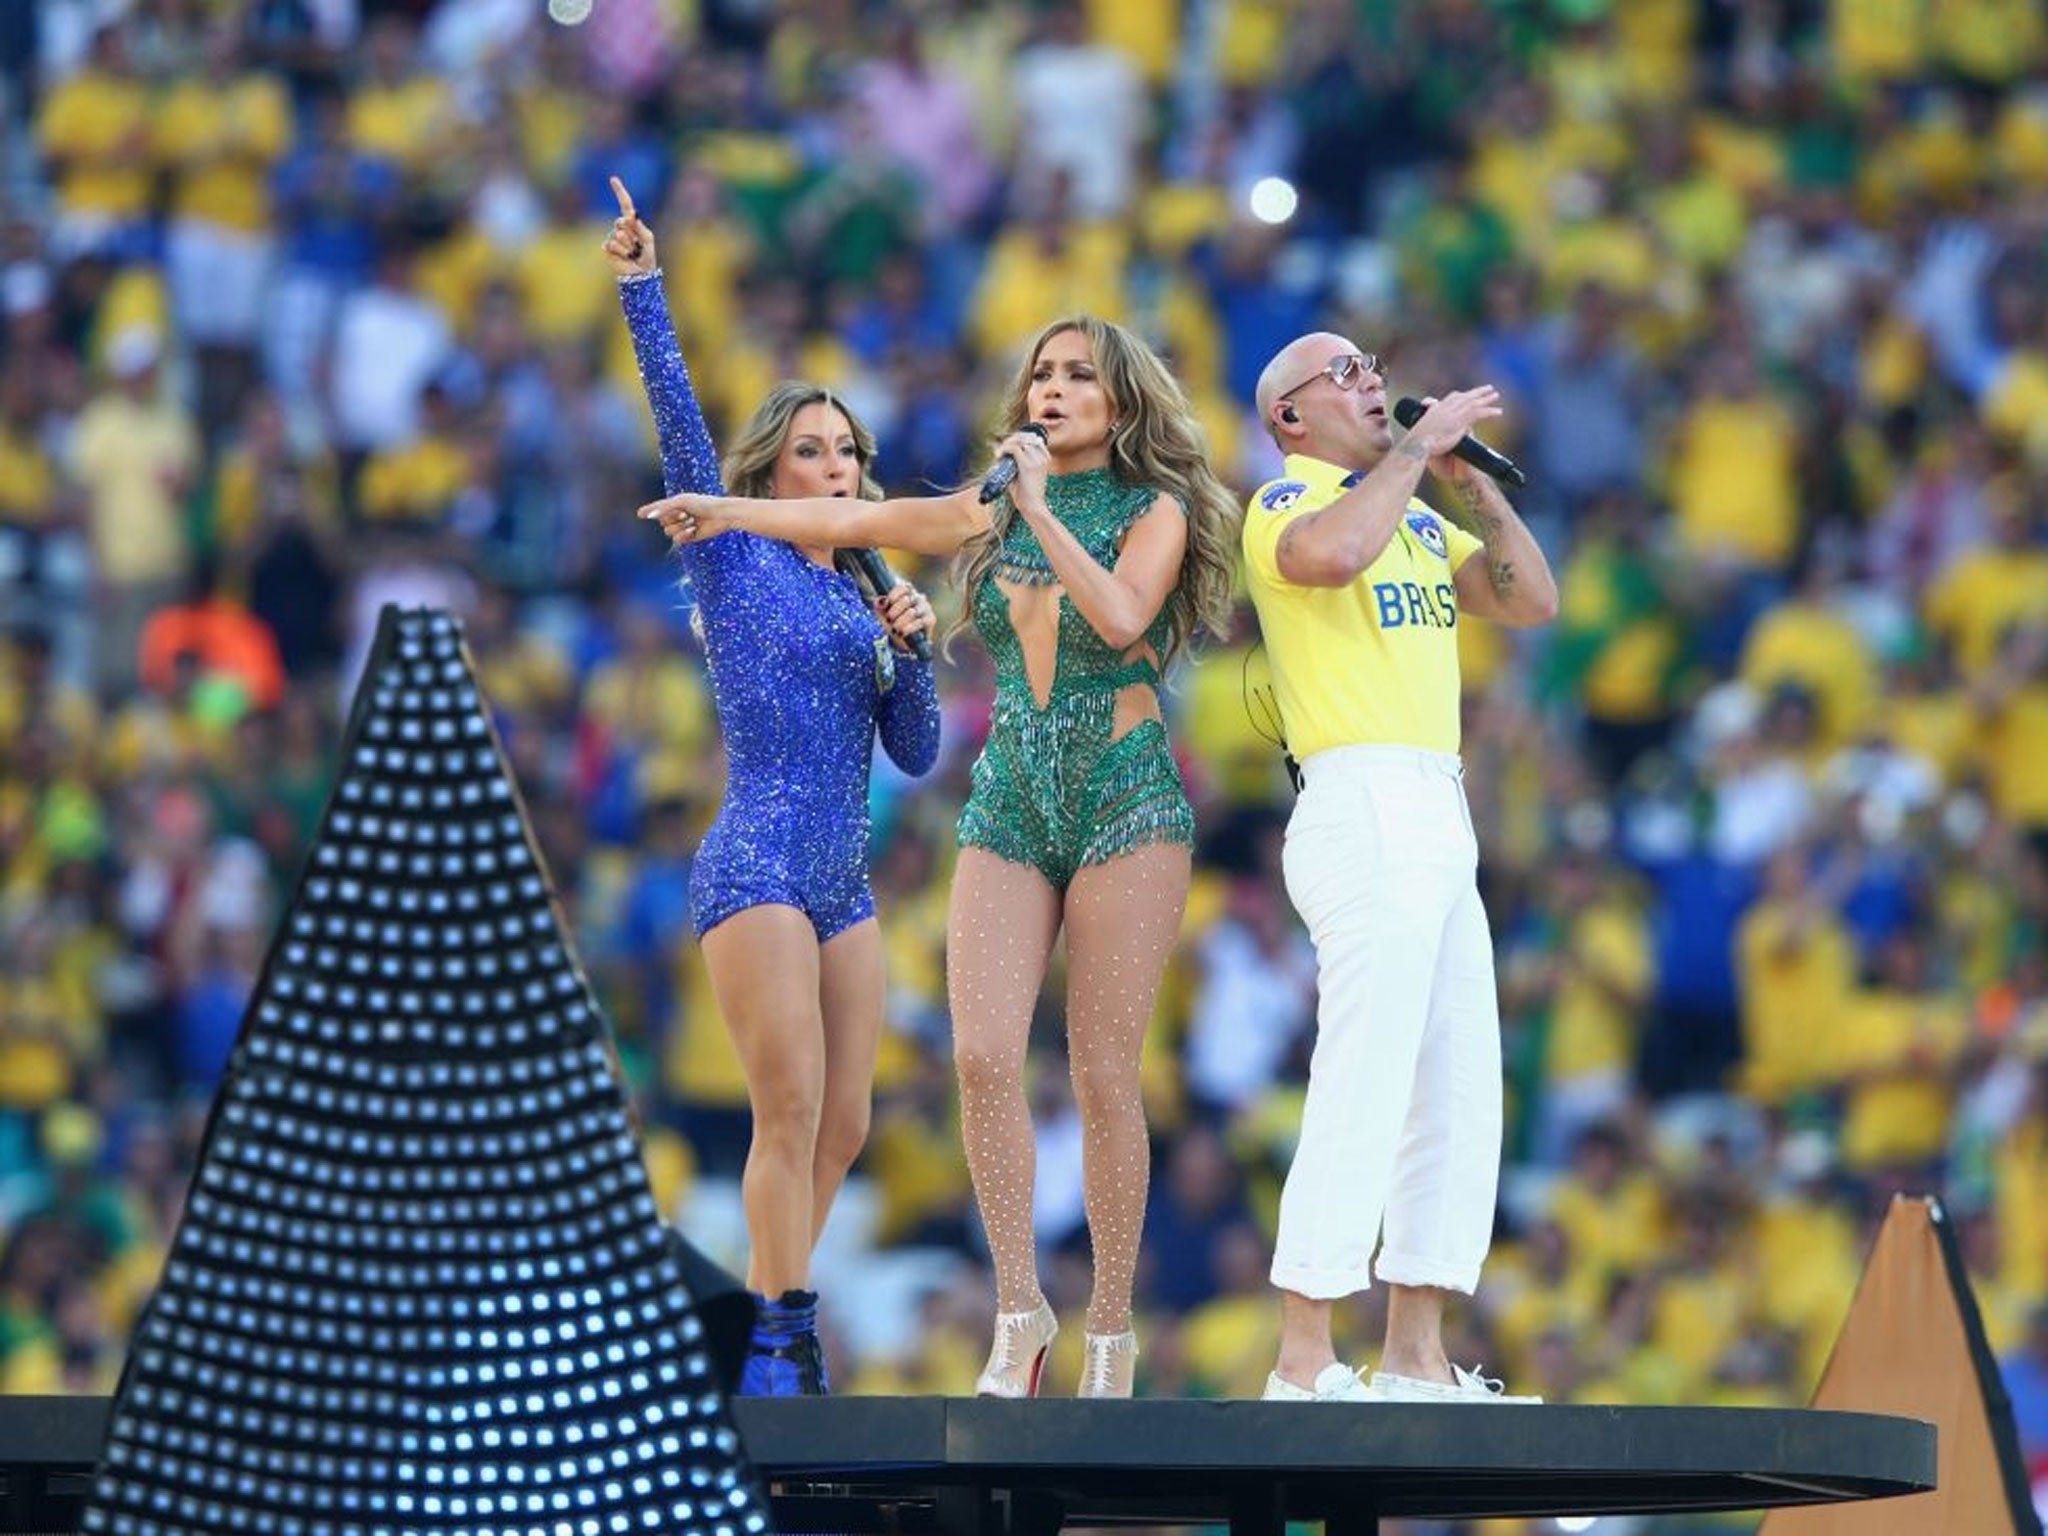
{"points": [[420, 1285]]}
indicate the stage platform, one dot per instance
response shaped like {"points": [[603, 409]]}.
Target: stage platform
{"points": [[961, 1467]]}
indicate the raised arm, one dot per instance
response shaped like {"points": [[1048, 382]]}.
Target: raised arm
{"points": [[689, 461], [1331, 546], [927, 525]]}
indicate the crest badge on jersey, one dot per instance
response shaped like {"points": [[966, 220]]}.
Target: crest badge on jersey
{"points": [[1426, 528], [1282, 494]]}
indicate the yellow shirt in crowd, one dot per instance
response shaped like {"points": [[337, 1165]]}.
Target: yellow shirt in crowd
{"points": [[1373, 662], [2015, 746], [1793, 972], [93, 129], [1978, 599], [28, 481], [220, 143], [406, 122], [130, 457], [1734, 480], [1898, 1052], [415, 483], [1023, 282], [1609, 968], [1878, 39], [1996, 41], [2016, 407], [1806, 646], [568, 299]]}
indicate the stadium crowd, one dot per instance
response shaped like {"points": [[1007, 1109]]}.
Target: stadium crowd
{"points": [[302, 312]]}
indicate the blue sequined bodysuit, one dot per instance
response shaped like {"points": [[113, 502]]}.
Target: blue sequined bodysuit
{"points": [[1056, 787], [801, 675]]}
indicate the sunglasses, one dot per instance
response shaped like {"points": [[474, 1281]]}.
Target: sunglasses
{"points": [[1343, 370]]}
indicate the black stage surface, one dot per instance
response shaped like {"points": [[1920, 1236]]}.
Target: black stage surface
{"points": [[962, 1467]]}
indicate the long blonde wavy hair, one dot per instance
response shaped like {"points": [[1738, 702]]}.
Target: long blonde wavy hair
{"points": [[1157, 443], [749, 465]]}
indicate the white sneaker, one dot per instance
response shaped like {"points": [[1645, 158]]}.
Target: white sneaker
{"points": [[1335, 1383], [1470, 1387]]}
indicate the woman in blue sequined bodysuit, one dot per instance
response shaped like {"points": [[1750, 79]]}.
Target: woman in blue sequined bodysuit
{"points": [[803, 673], [1112, 547]]}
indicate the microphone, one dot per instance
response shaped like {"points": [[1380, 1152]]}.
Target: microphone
{"points": [[876, 570], [998, 479], [1408, 411]]}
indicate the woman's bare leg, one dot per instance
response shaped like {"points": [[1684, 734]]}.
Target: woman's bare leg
{"points": [[850, 997], [764, 969]]}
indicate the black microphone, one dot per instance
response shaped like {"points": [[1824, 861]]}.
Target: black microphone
{"points": [[1408, 411], [882, 579], [998, 479]]}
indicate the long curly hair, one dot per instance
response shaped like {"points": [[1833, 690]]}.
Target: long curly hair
{"points": [[749, 465], [1157, 443]]}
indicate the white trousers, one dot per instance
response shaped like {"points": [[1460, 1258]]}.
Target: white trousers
{"points": [[1403, 1120]]}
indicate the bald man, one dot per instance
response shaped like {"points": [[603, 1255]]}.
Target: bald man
{"points": [[1360, 587]]}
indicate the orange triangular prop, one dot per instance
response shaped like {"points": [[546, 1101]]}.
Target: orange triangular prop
{"points": [[1914, 1345]]}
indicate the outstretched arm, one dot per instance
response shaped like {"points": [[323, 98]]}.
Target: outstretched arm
{"points": [[927, 525], [689, 461]]}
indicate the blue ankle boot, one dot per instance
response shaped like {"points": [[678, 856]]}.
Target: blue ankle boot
{"points": [[784, 1359]]}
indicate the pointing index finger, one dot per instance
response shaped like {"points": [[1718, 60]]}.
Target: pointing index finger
{"points": [[625, 199]]}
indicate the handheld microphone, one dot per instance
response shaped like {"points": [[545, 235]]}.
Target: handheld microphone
{"points": [[876, 570], [1408, 411], [998, 479]]}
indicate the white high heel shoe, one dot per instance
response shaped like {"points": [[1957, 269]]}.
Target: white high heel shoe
{"points": [[1016, 1359], [1111, 1368]]}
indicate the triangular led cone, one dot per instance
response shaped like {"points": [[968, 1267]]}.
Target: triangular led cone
{"points": [[421, 1285]]}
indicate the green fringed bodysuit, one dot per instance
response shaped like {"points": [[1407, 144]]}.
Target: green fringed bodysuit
{"points": [[1051, 789]]}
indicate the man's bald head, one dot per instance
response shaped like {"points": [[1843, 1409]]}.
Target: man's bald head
{"points": [[1338, 423], [1293, 363]]}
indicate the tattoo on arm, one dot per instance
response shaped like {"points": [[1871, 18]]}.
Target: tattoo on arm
{"points": [[1285, 547], [1489, 525], [1473, 505]]}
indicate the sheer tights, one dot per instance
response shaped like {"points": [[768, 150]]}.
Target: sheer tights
{"points": [[1121, 918]]}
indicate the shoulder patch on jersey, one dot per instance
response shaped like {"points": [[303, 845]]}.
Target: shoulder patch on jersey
{"points": [[1282, 494], [1426, 528]]}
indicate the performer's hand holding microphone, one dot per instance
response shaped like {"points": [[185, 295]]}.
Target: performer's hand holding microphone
{"points": [[904, 609], [1001, 476], [1409, 411], [900, 603], [1004, 474]]}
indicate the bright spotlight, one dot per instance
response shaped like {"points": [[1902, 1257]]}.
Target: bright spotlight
{"points": [[1274, 200], [569, 12], [1576, 1522]]}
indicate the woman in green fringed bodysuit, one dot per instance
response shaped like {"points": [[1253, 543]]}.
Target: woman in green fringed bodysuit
{"points": [[1111, 548]]}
